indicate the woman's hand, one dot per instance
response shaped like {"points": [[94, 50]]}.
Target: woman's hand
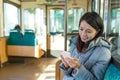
{"points": [[69, 61], [64, 62], [73, 62]]}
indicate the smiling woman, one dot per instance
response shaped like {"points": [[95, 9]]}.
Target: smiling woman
{"points": [[86, 31], [90, 53]]}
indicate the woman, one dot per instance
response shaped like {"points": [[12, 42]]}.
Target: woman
{"points": [[90, 54]]}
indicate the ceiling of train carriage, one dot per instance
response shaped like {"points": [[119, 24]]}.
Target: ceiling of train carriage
{"points": [[57, 0], [26, 0], [41, 0], [47, 2]]}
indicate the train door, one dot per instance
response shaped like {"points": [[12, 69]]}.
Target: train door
{"points": [[58, 32], [55, 30]]}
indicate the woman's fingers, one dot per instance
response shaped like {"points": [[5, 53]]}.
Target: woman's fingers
{"points": [[73, 62], [63, 60], [69, 61]]}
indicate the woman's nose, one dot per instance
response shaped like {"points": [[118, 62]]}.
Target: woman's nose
{"points": [[83, 33]]}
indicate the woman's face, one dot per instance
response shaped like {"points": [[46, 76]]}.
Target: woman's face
{"points": [[86, 31]]}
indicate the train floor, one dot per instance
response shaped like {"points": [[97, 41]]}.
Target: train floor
{"points": [[30, 69]]}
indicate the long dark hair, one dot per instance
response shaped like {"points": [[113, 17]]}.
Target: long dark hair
{"points": [[93, 19]]}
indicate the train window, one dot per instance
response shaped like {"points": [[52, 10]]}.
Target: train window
{"points": [[115, 18], [114, 25], [10, 20], [74, 15], [56, 21], [33, 18]]}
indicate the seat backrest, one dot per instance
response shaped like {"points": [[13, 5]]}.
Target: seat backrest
{"points": [[113, 70], [112, 73], [114, 41], [71, 39], [30, 39], [14, 37]]}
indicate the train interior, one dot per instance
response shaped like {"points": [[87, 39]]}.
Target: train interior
{"points": [[47, 27]]}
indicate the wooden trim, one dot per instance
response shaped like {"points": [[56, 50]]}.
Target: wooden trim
{"points": [[3, 55], [59, 75], [24, 51]]}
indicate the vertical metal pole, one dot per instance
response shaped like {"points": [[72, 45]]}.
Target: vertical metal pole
{"points": [[47, 35], [65, 25], [106, 18]]}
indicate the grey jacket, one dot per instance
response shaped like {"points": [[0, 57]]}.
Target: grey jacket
{"points": [[93, 62]]}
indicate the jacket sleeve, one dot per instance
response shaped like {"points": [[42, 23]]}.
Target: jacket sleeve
{"points": [[64, 71], [97, 71]]}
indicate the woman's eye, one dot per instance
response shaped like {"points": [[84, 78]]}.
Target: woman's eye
{"points": [[88, 31], [81, 29]]}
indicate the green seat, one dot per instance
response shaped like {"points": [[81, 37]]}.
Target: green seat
{"points": [[71, 39], [30, 39], [112, 73], [16, 38]]}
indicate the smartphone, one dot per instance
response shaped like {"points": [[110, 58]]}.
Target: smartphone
{"points": [[66, 54]]}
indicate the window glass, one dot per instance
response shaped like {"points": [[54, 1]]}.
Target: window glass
{"points": [[56, 21], [114, 28], [74, 15], [115, 18], [11, 17], [33, 18]]}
